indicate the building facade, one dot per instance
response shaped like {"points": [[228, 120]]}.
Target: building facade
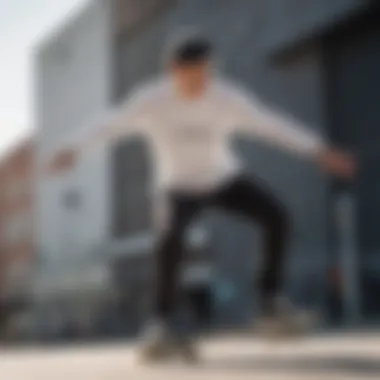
{"points": [[314, 60], [17, 210]]}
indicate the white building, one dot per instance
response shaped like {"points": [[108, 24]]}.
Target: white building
{"points": [[75, 89]]}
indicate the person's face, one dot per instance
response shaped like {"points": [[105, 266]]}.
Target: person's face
{"points": [[191, 79]]}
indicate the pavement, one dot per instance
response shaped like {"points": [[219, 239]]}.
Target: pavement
{"points": [[340, 356]]}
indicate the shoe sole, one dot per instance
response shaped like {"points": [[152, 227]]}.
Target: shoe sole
{"points": [[187, 353], [280, 332]]}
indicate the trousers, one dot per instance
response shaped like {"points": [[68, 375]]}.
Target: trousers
{"points": [[243, 197]]}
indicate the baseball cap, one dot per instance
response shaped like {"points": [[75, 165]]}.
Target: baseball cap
{"points": [[189, 48]]}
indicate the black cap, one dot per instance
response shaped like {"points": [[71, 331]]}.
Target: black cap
{"points": [[190, 49]]}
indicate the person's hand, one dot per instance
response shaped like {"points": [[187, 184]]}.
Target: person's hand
{"points": [[62, 161], [337, 163]]}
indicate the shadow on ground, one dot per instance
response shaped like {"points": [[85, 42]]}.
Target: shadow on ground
{"points": [[338, 364]]}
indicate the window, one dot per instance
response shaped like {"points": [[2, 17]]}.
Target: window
{"points": [[131, 203], [71, 200]]}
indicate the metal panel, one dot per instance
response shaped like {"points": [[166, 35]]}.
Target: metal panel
{"points": [[353, 61], [131, 201], [130, 14]]}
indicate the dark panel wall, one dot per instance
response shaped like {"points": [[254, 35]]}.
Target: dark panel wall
{"points": [[131, 207], [293, 20], [353, 61]]}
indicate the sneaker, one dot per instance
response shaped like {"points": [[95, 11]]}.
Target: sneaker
{"points": [[287, 322], [161, 343], [157, 343], [187, 350]]}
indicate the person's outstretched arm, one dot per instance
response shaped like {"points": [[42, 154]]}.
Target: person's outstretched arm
{"points": [[130, 118], [260, 122]]}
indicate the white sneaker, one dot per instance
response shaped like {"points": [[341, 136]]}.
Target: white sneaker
{"points": [[287, 322], [160, 343]]}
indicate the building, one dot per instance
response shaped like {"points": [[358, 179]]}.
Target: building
{"points": [[75, 218], [316, 60], [17, 246]]}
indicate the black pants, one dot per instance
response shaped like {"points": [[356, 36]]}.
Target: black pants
{"points": [[241, 197]]}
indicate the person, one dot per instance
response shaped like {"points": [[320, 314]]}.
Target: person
{"points": [[188, 115]]}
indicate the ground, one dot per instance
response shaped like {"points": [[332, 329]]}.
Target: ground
{"points": [[340, 356]]}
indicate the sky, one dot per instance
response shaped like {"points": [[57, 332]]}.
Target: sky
{"points": [[23, 23]]}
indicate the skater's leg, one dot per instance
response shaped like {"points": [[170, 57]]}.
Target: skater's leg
{"points": [[259, 205], [169, 253], [160, 338]]}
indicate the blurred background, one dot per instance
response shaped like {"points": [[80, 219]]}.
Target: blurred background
{"points": [[75, 249]]}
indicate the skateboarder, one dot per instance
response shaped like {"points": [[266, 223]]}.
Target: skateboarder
{"points": [[188, 115]]}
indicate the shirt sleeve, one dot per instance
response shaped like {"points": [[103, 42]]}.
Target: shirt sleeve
{"points": [[254, 119], [133, 117], [130, 118]]}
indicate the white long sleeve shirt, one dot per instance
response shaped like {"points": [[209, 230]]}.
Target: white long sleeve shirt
{"points": [[189, 139]]}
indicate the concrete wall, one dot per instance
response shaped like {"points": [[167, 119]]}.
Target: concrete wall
{"points": [[73, 89]]}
